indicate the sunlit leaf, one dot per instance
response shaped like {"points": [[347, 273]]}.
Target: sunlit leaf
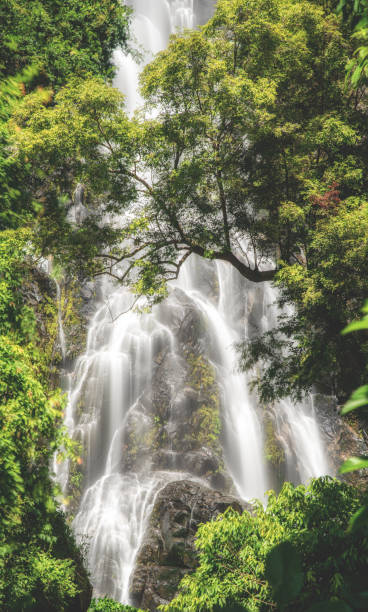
{"points": [[353, 463], [356, 325], [358, 399]]}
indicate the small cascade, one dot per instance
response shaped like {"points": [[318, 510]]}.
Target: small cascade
{"points": [[61, 469], [61, 332], [296, 424], [115, 510], [243, 440], [134, 402]]}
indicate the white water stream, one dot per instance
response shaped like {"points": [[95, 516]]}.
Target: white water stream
{"points": [[112, 390]]}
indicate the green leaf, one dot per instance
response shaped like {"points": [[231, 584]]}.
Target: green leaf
{"points": [[356, 326], [358, 520], [353, 463], [283, 572], [330, 606], [358, 399], [340, 6], [365, 307]]}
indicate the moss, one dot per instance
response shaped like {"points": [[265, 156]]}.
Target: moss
{"points": [[131, 446], [73, 322], [156, 436], [206, 421], [273, 448]]}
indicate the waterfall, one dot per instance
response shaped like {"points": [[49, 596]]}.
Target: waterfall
{"points": [[61, 332], [130, 413]]}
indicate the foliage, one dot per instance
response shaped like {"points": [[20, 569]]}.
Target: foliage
{"points": [[44, 43], [284, 573], [34, 327], [11, 173], [69, 135], [40, 566], [324, 296], [355, 13], [109, 605], [61, 38], [358, 399], [14, 314], [227, 155], [36, 571], [236, 565], [256, 155]]}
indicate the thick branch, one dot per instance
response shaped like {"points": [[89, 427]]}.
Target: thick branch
{"points": [[256, 276]]}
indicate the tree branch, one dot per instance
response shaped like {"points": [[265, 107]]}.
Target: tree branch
{"points": [[256, 276]]}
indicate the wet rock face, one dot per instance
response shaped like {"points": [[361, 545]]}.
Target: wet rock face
{"points": [[175, 425], [168, 552], [344, 437]]}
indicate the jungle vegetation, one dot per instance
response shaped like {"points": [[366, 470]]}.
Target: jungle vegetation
{"points": [[315, 567], [42, 44], [257, 156]]}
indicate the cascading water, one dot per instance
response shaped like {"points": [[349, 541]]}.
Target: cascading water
{"points": [[131, 399], [296, 425], [61, 333], [243, 440]]}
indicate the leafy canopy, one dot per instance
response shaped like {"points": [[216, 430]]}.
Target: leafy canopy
{"points": [[61, 38], [43, 44]]}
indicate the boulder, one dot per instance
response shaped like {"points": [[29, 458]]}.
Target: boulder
{"points": [[168, 551]]}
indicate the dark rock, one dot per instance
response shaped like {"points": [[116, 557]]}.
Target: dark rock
{"points": [[168, 552], [344, 436], [203, 463]]}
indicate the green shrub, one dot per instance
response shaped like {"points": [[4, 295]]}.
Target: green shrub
{"points": [[233, 550], [109, 605]]}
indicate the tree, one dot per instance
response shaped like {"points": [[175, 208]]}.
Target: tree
{"points": [[355, 14], [251, 113], [45, 42], [306, 347], [252, 116]]}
